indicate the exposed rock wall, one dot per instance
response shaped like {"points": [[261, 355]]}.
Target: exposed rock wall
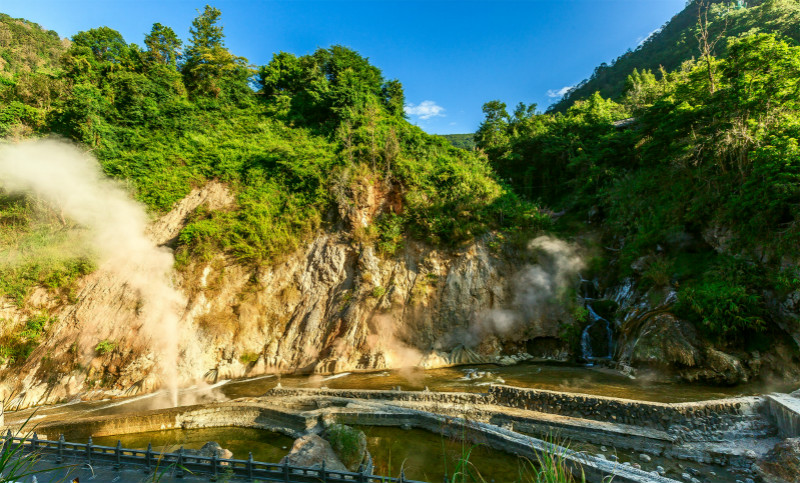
{"points": [[334, 305]]}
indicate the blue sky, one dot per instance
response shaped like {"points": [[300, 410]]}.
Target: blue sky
{"points": [[451, 56]]}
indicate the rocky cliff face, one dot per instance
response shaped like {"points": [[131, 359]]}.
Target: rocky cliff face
{"points": [[333, 306], [650, 338]]}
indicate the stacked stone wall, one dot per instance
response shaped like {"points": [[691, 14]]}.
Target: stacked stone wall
{"points": [[715, 416]]}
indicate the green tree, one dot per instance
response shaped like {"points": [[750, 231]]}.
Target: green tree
{"points": [[106, 44], [163, 45], [492, 131], [209, 68], [394, 97]]}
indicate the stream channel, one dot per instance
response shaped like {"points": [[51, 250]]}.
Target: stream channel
{"points": [[423, 455]]}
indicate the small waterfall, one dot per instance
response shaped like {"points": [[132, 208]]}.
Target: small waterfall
{"points": [[586, 339]]}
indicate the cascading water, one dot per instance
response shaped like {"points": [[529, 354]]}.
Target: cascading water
{"points": [[586, 338], [587, 348]]}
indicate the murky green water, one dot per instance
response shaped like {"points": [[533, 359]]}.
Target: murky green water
{"points": [[426, 456], [266, 446], [421, 455]]}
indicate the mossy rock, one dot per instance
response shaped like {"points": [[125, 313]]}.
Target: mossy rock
{"points": [[349, 444]]}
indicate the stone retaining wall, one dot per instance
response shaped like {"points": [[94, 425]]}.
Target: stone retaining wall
{"points": [[215, 415], [785, 409], [715, 415], [415, 396], [704, 420]]}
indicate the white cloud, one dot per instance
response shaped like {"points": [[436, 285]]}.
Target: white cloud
{"points": [[424, 110], [641, 40], [559, 92]]}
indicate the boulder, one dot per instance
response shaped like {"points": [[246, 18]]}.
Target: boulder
{"points": [[782, 463], [666, 340], [310, 451], [719, 367], [212, 448], [350, 445]]}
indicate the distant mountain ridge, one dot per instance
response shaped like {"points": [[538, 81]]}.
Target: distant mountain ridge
{"points": [[675, 42], [463, 141]]}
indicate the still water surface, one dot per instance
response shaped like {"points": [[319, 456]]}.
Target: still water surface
{"points": [[420, 454]]}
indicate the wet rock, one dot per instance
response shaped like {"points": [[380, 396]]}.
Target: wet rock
{"points": [[349, 444], [311, 450], [645, 458], [723, 368], [212, 448], [782, 463], [686, 476], [667, 340]]}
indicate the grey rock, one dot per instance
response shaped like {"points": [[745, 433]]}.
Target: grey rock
{"points": [[212, 448], [645, 458], [311, 450]]}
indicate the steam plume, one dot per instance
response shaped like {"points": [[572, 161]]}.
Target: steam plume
{"points": [[72, 181], [536, 289]]}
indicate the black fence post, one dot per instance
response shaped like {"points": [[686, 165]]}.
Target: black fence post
{"points": [[362, 475], [148, 456], [179, 463], [118, 464], [324, 473], [34, 441], [286, 470], [250, 466], [60, 458], [214, 466], [402, 476]]}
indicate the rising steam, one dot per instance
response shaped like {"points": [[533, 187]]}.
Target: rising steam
{"points": [[536, 290], [72, 182]]}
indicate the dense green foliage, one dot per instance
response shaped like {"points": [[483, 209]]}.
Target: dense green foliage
{"points": [[463, 141], [18, 346], [709, 160], [300, 142], [677, 42]]}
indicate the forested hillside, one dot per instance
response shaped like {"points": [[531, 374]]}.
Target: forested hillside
{"points": [[680, 38], [298, 149], [698, 193], [463, 141], [681, 189]]}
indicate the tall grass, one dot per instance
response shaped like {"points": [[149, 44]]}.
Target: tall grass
{"points": [[16, 464], [549, 467]]}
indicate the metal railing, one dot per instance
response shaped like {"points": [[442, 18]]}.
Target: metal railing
{"points": [[181, 463]]}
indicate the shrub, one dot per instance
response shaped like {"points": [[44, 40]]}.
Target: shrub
{"points": [[722, 309], [105, 347]]}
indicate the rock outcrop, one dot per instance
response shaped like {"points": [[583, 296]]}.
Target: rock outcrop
{"points": [[782, 463], [334, 305], [312, 451]]}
